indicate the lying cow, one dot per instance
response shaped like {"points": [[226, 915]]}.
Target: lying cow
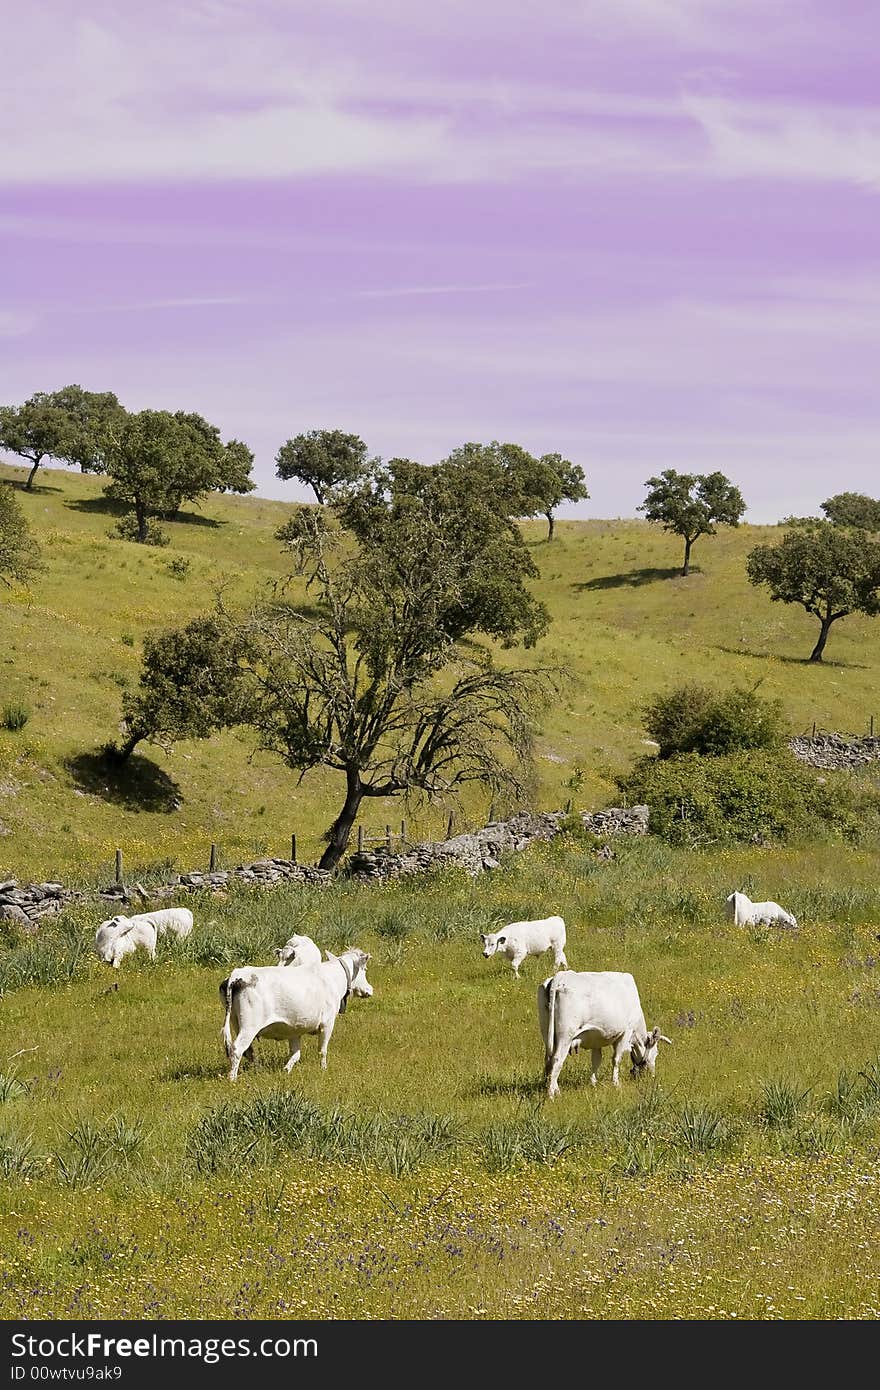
{"points": [[599, 1008], [521, 939], [272, 1002], [744, 913], [121, 936], [298, 950]]}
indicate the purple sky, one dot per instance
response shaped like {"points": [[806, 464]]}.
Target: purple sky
{"points": [[644, 233]]}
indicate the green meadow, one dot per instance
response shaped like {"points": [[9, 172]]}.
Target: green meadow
{"points": [[423, 1174]]}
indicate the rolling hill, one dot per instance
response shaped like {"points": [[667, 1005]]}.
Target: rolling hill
{"points": [[623, 620]]}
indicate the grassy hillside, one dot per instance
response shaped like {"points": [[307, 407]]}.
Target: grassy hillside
{"points": [[422, 1175], [622, 620]]}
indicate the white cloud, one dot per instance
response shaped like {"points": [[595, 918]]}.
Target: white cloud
{"points": [[791, 141]]}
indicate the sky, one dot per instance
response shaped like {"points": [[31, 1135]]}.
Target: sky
{"points": [[641, 233]]}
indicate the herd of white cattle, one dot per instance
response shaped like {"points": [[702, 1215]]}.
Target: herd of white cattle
{"points": [[590, 1008]]}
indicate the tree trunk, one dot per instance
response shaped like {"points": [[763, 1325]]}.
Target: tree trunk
{"points": [[816, 654], [341, 829], [319, 493], [140, 513], [120, 753], [33, 473], [688, 542], [550, 525]]}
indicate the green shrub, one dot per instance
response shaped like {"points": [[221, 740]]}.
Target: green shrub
{"points": [[752, 796], [15, 717], [693, 718], [127, 530]]}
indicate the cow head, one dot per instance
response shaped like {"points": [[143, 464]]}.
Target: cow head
{"points": [[360, 985], [106, 938], [492, 941], [643, 1053]]}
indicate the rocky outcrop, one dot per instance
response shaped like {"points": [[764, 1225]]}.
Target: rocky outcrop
{"points": [[835, 752]]}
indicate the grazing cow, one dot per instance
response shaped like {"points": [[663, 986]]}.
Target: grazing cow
{"points": [[599, 1008], [744, 913], [272, 1002], [121, 936], [298, 950], [173, 921], [521, 939]]}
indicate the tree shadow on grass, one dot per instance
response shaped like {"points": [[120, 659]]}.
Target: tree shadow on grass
{"points": [[634, 579], [136, 785], [105, 506], [793, 660], [20, 485]]}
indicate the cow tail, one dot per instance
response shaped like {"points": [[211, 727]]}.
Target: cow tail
{"points": [[227, 990], [551, 988]]}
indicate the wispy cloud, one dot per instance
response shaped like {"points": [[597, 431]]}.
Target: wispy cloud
{"points": [[406, 291]]}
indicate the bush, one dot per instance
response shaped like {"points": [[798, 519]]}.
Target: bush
{"points": [[15, 717], [693, 718], [127, 530], [752, 796]]}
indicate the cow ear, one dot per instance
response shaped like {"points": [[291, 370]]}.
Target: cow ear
{"points": [[330, 955], [663, 1038]]}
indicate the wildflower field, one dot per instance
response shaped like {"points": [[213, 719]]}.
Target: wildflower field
{"points": [[423, 1174]]}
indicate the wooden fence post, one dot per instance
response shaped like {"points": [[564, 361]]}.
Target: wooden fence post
{"points": [[293, 849], [449, 824], [360, 839], [388, 836], [402, 834], [213, 864], [568, 807], [872, 726], [491, 819], [119, 866], [814, 728]]}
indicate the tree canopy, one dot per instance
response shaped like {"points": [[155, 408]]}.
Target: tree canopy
{"points": [[853, 509], [692, 505], [525, 485], [375, 674], [323, 460], [156, 460], [829, 570], [188, 687], [19, 556], [71, 425]]}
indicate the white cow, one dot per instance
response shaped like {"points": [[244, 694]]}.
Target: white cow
{"points": [[121, 936], [298, 950], [521, 939], [599, 1008], [744, 913], [271, 1001]]}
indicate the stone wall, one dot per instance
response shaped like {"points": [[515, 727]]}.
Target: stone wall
{"points": [[835, 752], [474, 851]]}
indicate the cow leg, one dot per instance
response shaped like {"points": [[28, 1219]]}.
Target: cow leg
{"points": [[595, 1063], [619, 1049], [559, 1055], [325, 1033], [516, 962], [241, 1047], [560, 961], [294, 1048]]}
